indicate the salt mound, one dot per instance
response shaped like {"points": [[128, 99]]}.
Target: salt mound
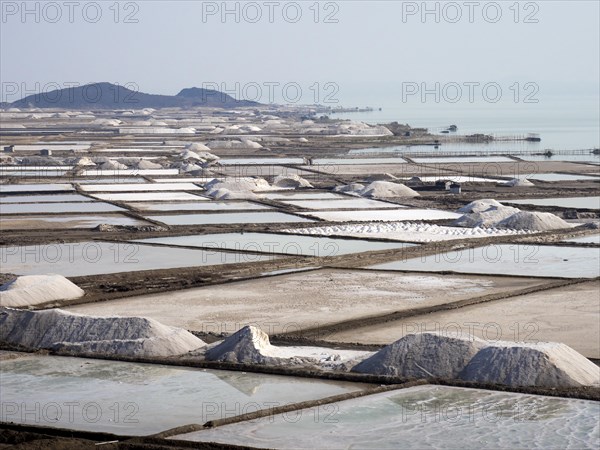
{"points": [[238, 184], [422, 355], [32, 290], [249, 345], [542, 364], [291, 181], [84, 161], [517, 182], [55, 329], [382, 177], [112, 165], [487, 218], [189, 154], [226, 194], [352, 188], [479, 205], [534, 221], [383, 189], [144, 164]]}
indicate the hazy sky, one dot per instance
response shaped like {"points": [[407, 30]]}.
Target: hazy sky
{"points": [[372, 49]]}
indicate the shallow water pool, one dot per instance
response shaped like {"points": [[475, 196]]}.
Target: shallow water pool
{"points": [[98, 257], [279, 243], [508, 259], [140, 399], [436, 417], [228, 218], [563, 202]]}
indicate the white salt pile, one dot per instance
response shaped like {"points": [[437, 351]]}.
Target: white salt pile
{"points": [[383, 189], [30, 290], [378, 189], [547, 364], [352, 188], [426, 355], [55, 329], [197, 147], [235, 188], [144, 164], [516, 182], [243, 144], [422, 355], [250, 345], [291, 181], [489, 213]]}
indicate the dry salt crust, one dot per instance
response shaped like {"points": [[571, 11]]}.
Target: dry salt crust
{"points": [[137, 187], [468, 159], [31, 290], [123, 172], [59, 330], [5, 188], [199, 180], [350, 203], [62, 198], [301, 300], [570, 315], [404, 231], [32, 208], [454, 179], [63, 222], [199, 206], [437, 355]]}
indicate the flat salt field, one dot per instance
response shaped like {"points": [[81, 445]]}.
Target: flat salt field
{"points": [[146, 187], [278, 243], [568, 314], [97, 257], [589, 158], [296, 301], [59, 187], [32, 222], [262, 161], [84, 207], [509, 259], [228, 218], [149, 197], [563, 202], [34, 168], [141, 399], [359, 161], [108, 180], [561, 177], [199, 206], [350, 203], [437, 417], [383, 215], [200, 180], [128, 172], [593, 239], [459, 159], [38, 174], [45, 198], [303, 195], [456, 179]]}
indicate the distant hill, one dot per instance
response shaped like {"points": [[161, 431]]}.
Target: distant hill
{"points": [[112, 96]]}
